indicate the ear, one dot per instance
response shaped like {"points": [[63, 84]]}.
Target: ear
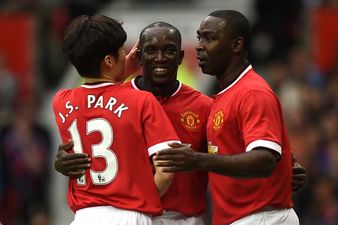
{"points": [[181, 57], [109, 61], [238, 44]]}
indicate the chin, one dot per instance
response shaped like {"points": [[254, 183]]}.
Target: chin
{"points": [[160, 82], [120, 79], [208, 72]]}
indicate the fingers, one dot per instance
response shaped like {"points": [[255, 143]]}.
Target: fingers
{"points": [[180, 145], [165, 163], [133, 50], [176, 145], [167, 167], [298, 181], [172, 169], [298, 170], [75, 169], [82, 163], [71, 164], [167, 155], [136, 45], [74, 156], [76, 174], [133, 63], [67, 146]]}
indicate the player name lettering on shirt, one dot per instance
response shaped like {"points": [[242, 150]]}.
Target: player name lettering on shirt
{"points": [[110, 104], [71, 108]]}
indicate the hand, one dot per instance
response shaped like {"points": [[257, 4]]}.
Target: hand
{"points": [[133, 63], [180, 157], [298, 177], [71, 164]]}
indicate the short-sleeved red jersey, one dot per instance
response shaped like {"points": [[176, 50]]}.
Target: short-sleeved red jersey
{"points": [[188, 111], [119, 127], [246, 115]]}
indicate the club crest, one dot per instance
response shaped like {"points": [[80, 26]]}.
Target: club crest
{"points": [[218, 120], [190, 119]]}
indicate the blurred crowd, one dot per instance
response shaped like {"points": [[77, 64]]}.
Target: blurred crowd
{"points": [[281, 50], [309, 97]]}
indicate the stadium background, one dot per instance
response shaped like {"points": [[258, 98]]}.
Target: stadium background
{"points": [[294, 46]]}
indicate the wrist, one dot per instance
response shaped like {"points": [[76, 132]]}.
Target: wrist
{"points": [[200, 161]]}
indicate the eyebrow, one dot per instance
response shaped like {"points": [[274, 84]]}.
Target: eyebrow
{"points": [[206, 32]]}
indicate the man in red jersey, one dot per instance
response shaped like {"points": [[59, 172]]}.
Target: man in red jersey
{"points": [[187, 109], [100, 116], [249, 160], [160, 54]]}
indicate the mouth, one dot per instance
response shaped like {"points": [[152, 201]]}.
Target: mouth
{"points": [[202, 61], [160, 70]]}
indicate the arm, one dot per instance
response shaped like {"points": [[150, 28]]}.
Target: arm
{"points": [[259, 162], [71, 164], [162, 180]]}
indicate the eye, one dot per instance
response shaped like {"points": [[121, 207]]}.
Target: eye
{"points": [[210, 37], [149, 51], [170, 50]]}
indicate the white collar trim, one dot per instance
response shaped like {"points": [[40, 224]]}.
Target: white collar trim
{"points": [[177, 90], [238, 78], [97, 85]]}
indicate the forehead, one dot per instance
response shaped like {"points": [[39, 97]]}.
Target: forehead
{"points": [[160, 34], [212, 24]]}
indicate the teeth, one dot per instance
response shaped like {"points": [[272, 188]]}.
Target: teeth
{"points": [[159, 70]]}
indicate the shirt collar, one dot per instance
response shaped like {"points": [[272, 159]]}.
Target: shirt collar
{"points": [[236, 81], [133, 84]]}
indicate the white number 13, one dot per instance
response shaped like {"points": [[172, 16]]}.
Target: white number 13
{"points": [[98, 150]]}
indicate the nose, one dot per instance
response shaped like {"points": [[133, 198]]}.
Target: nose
{"points": [[160, 57], [199, 46]]}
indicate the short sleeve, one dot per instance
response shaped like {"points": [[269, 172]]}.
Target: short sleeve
{"points": [[261, 121], [157, 129]]}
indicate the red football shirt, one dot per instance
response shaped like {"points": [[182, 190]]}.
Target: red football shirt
{"points": [[188, 111], [246, 115], [119, 127]]}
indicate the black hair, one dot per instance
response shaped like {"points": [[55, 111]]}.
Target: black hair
{"points": [[160, 24], [88, 39], [236, 22]]}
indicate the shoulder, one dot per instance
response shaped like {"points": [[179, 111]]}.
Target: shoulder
{"points": [[253, 83], [127, 84], [197, 95], [62, 94], [136, 94]]}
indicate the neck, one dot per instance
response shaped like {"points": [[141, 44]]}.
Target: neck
{"points": [[162, 91], [90, 80], [231, 74]]}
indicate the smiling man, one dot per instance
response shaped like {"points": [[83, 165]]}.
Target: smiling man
{"points": [[161, 54]]}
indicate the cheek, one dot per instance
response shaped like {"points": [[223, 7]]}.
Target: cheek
{"points": [[213, 50], [145, 61]]}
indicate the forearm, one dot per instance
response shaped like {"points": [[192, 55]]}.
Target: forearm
{"points": [[256, 163], [163, 181]]}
